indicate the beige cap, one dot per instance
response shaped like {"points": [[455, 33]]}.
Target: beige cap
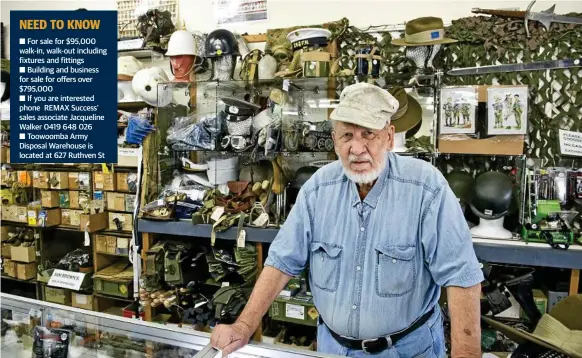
{"points": [[365, 105]]}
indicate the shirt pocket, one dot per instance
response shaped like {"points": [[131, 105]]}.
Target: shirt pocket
{"points": [[395, 270], [325, 265]]}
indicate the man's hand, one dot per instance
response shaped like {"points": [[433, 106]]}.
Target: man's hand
{"points": [[230, 338]]}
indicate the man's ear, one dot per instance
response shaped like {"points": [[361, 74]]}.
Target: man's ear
{"points": [[389, 137]]}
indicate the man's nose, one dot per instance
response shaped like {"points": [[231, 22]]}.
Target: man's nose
{"points": [[358, 147]]}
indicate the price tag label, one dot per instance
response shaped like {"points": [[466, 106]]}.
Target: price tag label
{"points": [[240, 240], [261, 220], [286, 85], [217, 213], [225, 284], [294, 311]]}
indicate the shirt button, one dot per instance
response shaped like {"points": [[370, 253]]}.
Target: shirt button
{"points": [[393, 261], [358, 268], [362, 229], [354, 307]]}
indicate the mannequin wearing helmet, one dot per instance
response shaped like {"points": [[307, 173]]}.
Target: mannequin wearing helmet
{"points": [[491, 199], [184, 54], [221, 47]]}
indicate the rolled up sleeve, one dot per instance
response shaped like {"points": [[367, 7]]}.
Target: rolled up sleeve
{"points": [[447, 242], [290, 249]]}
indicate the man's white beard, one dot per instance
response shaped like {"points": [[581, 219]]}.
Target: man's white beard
{"points": [[368, 177]]}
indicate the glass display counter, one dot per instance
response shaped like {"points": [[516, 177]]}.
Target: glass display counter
{"points": [[32, 328]]}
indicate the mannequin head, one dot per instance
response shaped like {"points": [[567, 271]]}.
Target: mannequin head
{"points": [[182, 66]]}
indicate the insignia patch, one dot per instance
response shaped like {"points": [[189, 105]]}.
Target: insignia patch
{"points": [[435, 35]]}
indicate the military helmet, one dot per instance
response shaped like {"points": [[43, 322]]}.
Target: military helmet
{"points": [[303, 174], [492, 194], [221, 43], [461, 184]]}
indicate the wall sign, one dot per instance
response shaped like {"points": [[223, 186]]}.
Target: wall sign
{"points": [[67, 279], [570, 143]]}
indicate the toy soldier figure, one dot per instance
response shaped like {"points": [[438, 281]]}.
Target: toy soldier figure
{"points": [[457, 112], [517, 110], [498, 107], [466, 112], [449, 112]]}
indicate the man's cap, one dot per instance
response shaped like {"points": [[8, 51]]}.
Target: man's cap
{"points": [[239, 107], [308, 37], [409, 113], [365, 105], [423, 31]]}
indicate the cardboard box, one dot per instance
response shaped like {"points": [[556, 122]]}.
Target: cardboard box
{"points": [[122, 246], [57, 295], [101, 243], [44, 217], [128, 157], [74, 200], [24, 178], [64, 200], [9, 213], [21, 214], [8, 177], [40, 179], [125, 221], [74, 181], [115, 201], [4, 156], [80, 300], [104, 181], [4, 230], [66, 217], [7, 197], [10, 268], [59, 180], [111, 244], [122, 181], [76, 218], [6, 251], [26, 271], [49, 198], [129, 203], [99, 202], [23, 254], [93, 222], [554, 297]]}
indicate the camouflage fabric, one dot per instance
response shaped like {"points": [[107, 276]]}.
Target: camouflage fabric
{"points": [[555, 96]]}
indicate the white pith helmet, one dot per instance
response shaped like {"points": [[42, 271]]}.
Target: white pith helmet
{"points": [[148, 84]]}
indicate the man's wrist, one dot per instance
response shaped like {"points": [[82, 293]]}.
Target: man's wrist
{"points": [[248, 326]]}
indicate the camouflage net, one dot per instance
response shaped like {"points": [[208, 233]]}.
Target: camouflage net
{"points": [[555, 96]]}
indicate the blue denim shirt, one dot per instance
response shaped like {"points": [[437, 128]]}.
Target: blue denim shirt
{"points": [[377, 265]]}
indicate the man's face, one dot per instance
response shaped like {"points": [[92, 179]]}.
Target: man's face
{"points": [[362, 151]]}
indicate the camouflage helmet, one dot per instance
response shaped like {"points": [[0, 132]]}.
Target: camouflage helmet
{"points": [[461, 184], [491, 195]]}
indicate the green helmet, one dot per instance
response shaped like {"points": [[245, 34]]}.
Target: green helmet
{"points": [[462, 184]]}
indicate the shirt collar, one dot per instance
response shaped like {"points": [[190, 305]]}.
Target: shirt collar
{"points": [[374, 195]]}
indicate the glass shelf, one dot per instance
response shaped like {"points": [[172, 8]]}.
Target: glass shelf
{"points": [[95, 334]]}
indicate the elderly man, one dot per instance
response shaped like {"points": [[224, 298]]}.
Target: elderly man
{"points": [[382, 234]]}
